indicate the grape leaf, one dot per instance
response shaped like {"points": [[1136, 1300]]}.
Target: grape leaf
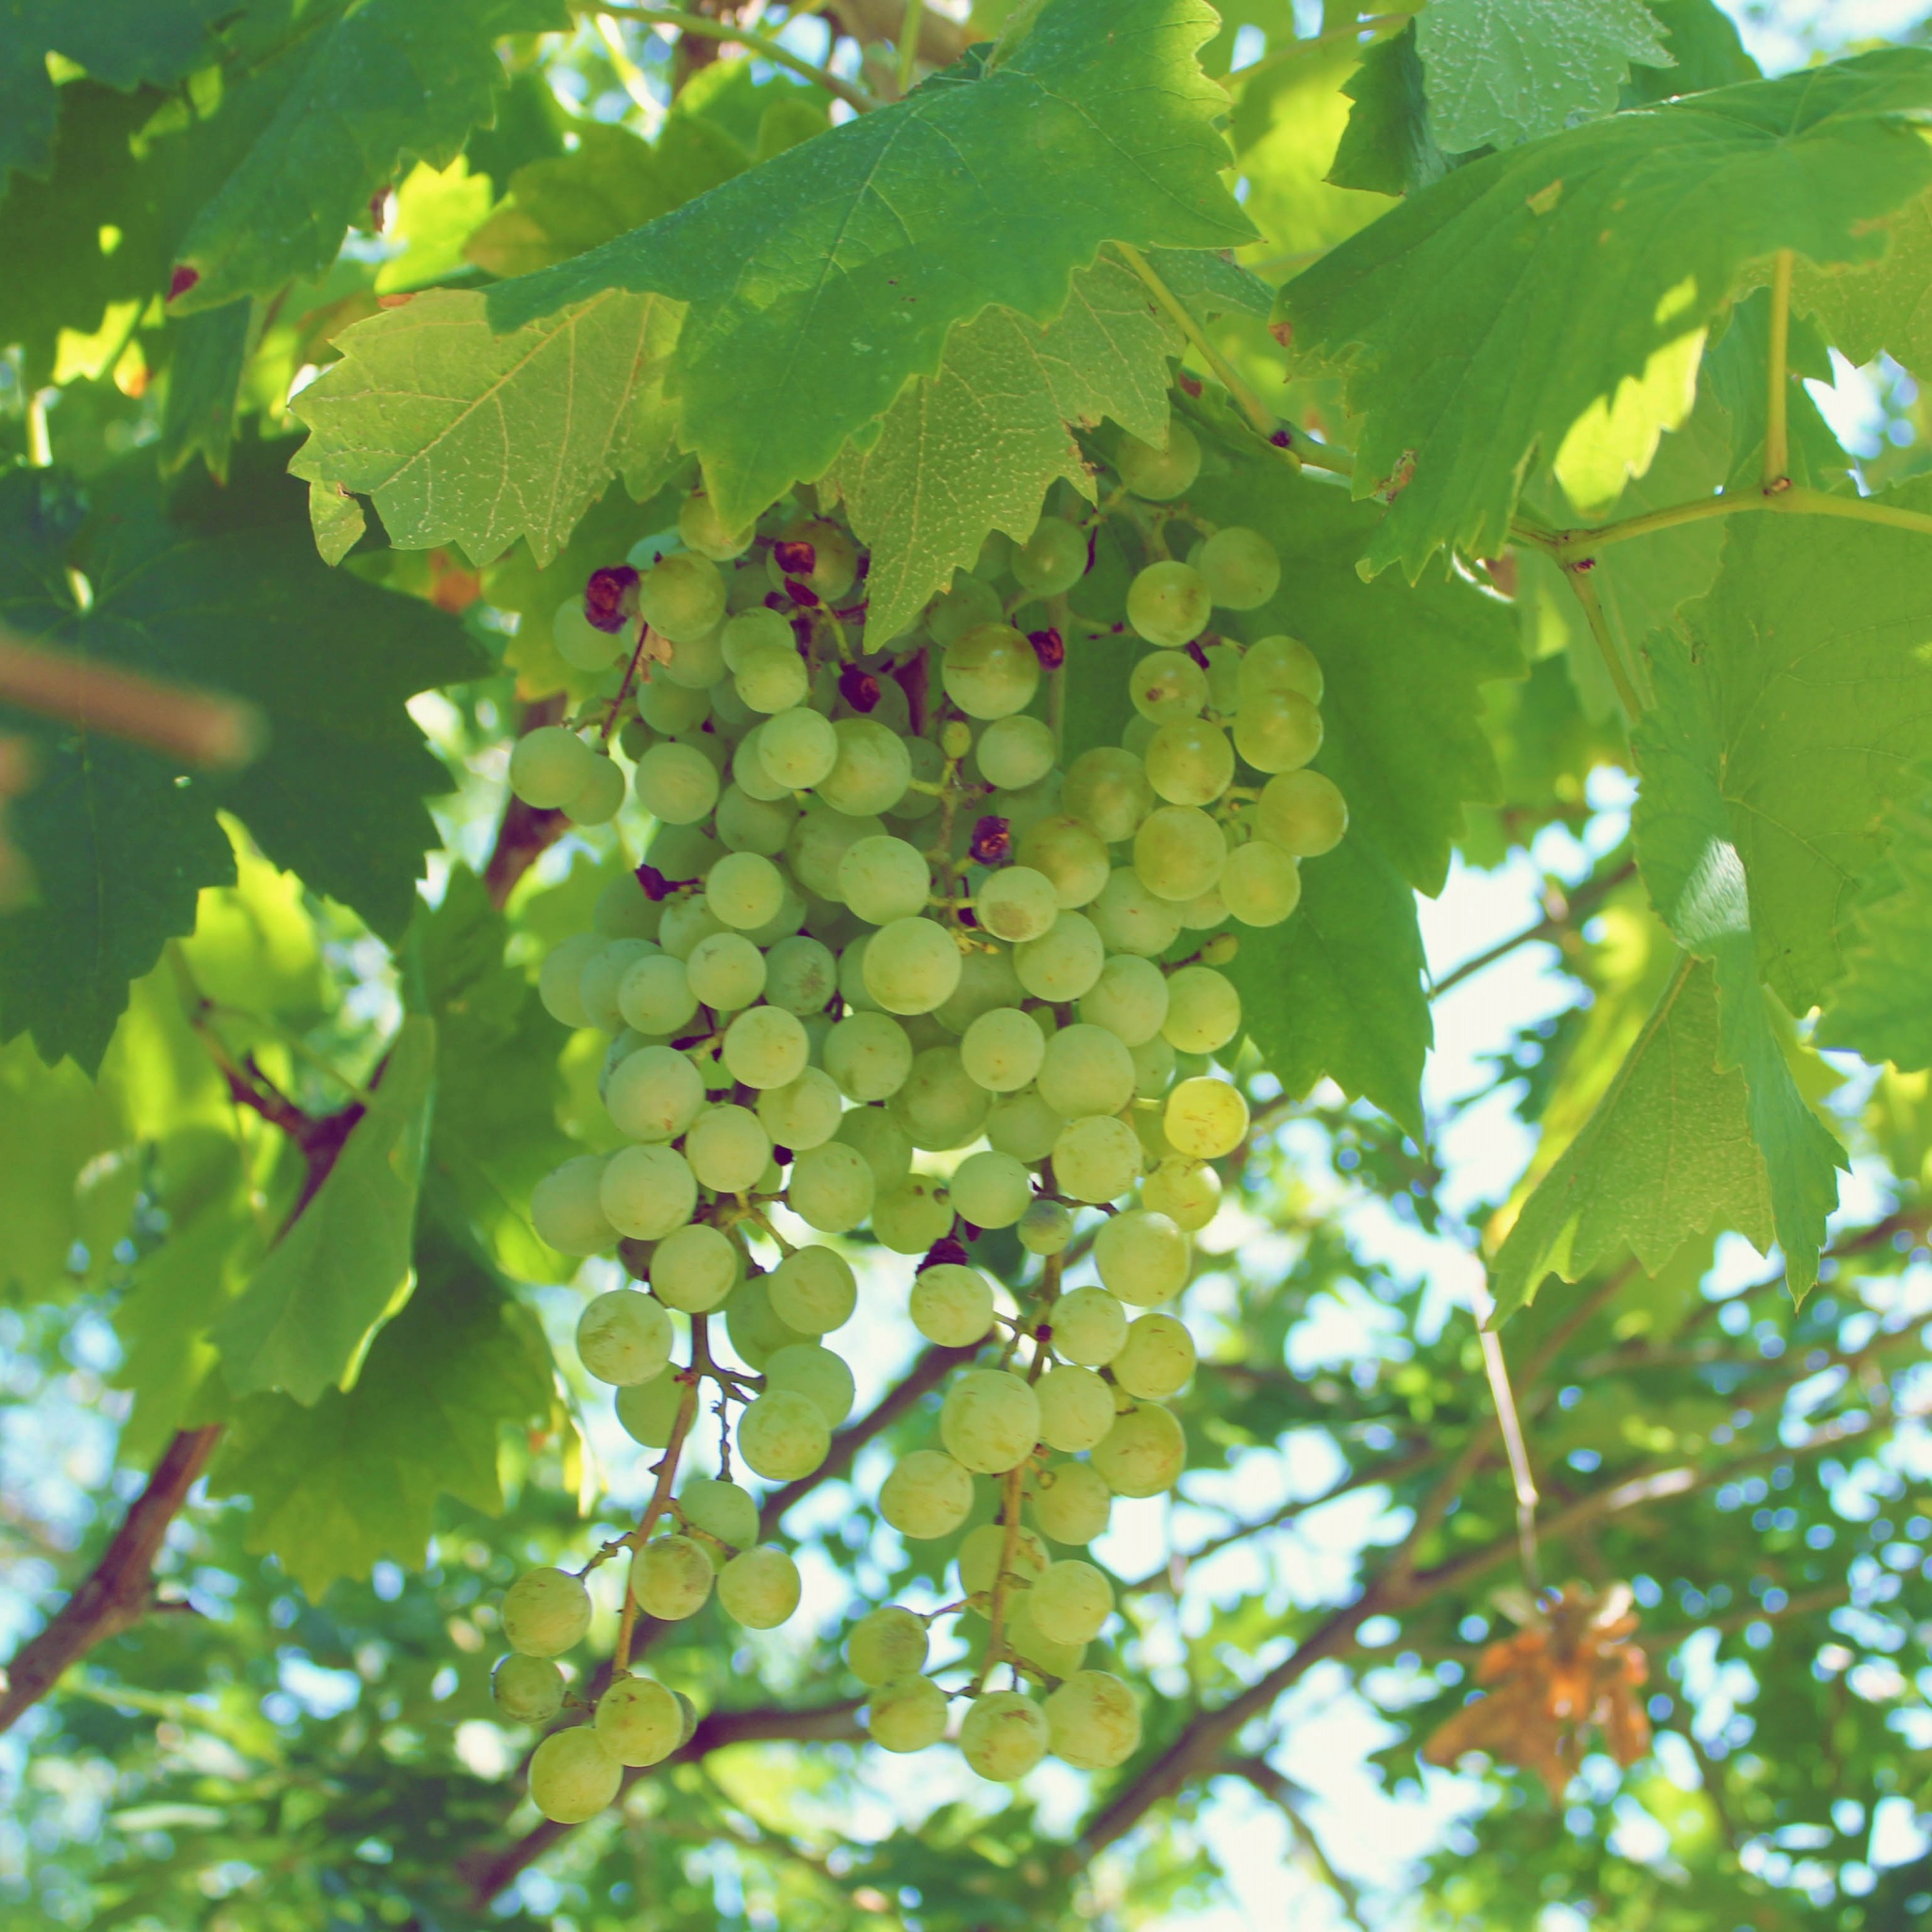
{"points": [[1666, 1153], [973, 447], [1460, 370], [220, 589], [820, 280], [1882, 305], [120, 43], [1701, 868], [1706, 52], [207, 354], [1882, 1008], [327, 118], [356, 1478], [343, 1265], [463, 436], [1499, 72], [1388, 147], [437, 211]]}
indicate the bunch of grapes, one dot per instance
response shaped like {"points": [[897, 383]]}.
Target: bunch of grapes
{"points": [[878, 922]]}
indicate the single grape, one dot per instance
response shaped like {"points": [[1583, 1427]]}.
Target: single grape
{"points": [[1205, 1118], [926, 1495], [991, 1188], [831, 1188], [982, 1550], [602, 796], [1092, 1722], [952, 1304], [694, 1269], [1129, 999], [723, 1511], [579, 642], [912, 966], [871, 771], [1159, 472], [624, 1336], [1168, 604], [1205, 911], [1097, 1159], [654, 1095], [885, 1145], [771, 678], [1014, 752], [682, 595], [801, 975], [1165, 688], [1071, 1601], [1062, 963], [728, 1148], [833, 565], [1042, 1651], [1154, 1069], [804, 1113], [567, 1208], [1016, 903], [647, 1411], [882, 879], [603, 973], [941, 1105], [766, 1046], [908, 1714], [1107, 789], [1204, 1011], [1260, 883], [545, 1613], [1281, 664], [670, 709], [868, 1055], [1187, 1192], [527, 1690], [1302, 812], [675, 783], [1086, 1070], [1070, 854], [688, 921], [1075, 1411], [674, 1576], [797, 749], [1045, 1228], [654, 996], [884, 1644], [647, 1193], [759, 1589], [1089, 1325], [1130, 919], [783, 1435], [1157, 1358], [1025, 1126], [1142, 1256], [757, 1331], [1190, 761], [1002, 1050], [1071, 1502], [990, 1421], [908, 1219], [754, 825], [1053, 559], [1178, 851], [573, 1775], [990, 671], [971, 600], [549, 766], [986, 981], [1239, 567], [698, 663], [818, 1374], [559, 981], [1278, 730], [639, 1722], [705, 531], [813, 1290], [725, 971], [1143, 1453], [1004, 1737], [744, 889]]}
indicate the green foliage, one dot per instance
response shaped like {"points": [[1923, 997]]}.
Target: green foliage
{"points": [[1882, 1006]]}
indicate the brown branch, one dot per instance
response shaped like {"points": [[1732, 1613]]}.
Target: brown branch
{"points": [[525, 834], [1563, 913]]}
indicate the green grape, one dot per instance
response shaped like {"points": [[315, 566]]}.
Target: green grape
{"points": [[1025, 1126], [1165, 688], [560, 983], [1168, 604], [926, 1495], [600, 797], [573, 1775], [1004, 1736], [579, 642], [1071, 1502], [1092, 1722], [1190, 761], [1129, 999], [694, 1269], [1205, 911], [755, 629], [725, 971], [885, 1644], [1157, 1358], [1075, 1410], [1053, 559], [852, 992], [1143, 1453], [654, 1095], [1204, 1011], [885, 1145], [647, 1191], [1143, 1257], [803, 1113], [1155, 1145], [1160, 473], [549, 766], [654, 996], [908, 1714], [698, 663], [986, 982], [1302, 812], [982, 1550], [990, 1421], [760, 1589], [602, 976], [1205, 1118], [1015, 752], [728, 1148], [757, 1331], [744, 889], [624, 1336], [1073, 1599], [567, 1208], [771, 678], [883, 879], [971, 601], [722, 1511], [1024, 809], [1178, 851], [675, 783], [1187, 1192], [831, 1188], [990, 671], [1045, 1228], [1130, 919], [1070, 854], [1089, 1325], [869, 1055], [912, 965], [1278, 730], [527, 1690], [908, 1219], [648, 1410], [795, 750], [871, 771], [639, 1722], [683, 853], [814, 1372], [670, 709], [784, 924], [1002, 1050], [1260, 883], [686, 920], [1239, 568], [1086, 1070], [766, 1046], [952, 1304], [682, 595], [1281, 664], [813, 1290], [992, 1189], [1053, 1659], [835, 562], [1154, 1068], [1017, 904], [674, 1577], [704, 530], [1061, 963], [941, 1105], [1107, 789], [545, 1613], [801, 975], [1097, 1159], [783, 1435]]}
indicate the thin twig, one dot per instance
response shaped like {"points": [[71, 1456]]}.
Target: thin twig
{"points": [[1583, 585], [1496, 1366], [1564, 916], [660, 1495], [776, 52]]}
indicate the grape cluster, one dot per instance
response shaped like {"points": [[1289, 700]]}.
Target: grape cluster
{"points": [[876, 919]]}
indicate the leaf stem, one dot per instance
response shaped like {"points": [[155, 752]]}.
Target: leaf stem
{"points": [[1777, 454], [850, 93], [1585, 587], [909, 45], [1251, 407], [996, 1610]]}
